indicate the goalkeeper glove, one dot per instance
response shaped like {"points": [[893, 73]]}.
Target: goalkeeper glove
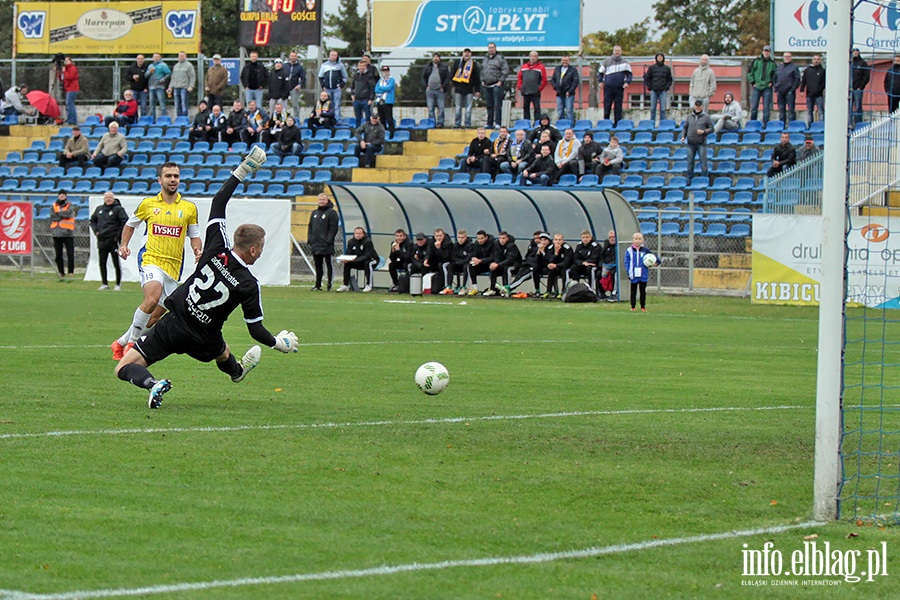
{"points": [[253, 161], [286, 341]]}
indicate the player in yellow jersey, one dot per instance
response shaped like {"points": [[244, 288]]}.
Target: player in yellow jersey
{"points": [[169, 218]]}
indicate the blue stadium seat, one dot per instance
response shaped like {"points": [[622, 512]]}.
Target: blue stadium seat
{"points": [[295, 189], [643, 137], [624, 136], [774, 126], [664, 137], [163, 121], [349, 162], [239, 147], [316, 148], [677, 182], [639, 152], [580, 125], [636, 166], [670, 228], [771, 139], [282, 176], [47, 186], [740, 215], [726, 167], [797, 127], [55, 172], [482, 179], [644, 125], [302, 176], [37, 145], [742, 198], [121, 187], [658, 166], [330, 162], [567, 180], [743, 184], [460, 179], [92, 121], [335, 149], [342, 135], [740, 230], [183, 147], [589, 181], [181, 122], [400, 136], [440, 178], [631, 181], [751, 139], [145, 121], [648, 227], [650, 197], [667, 125], [715, 230], [655, 182], [154, 132], [275, 190], [290, 161], [624, 125], [604, 125], [721, 183], [255, 190], [145, 146], [601, 137], [446, 164], [310, 162], [503, 179], [322, 177], [425, 124], [262, 176], [728, 139], [631, 196], [718, 198], [817, 127], [748, 168], [611, 181], [752, 127], [196, 160], [699, 183], [419, 178], [172, 133], [406, 123], [322, 135]]}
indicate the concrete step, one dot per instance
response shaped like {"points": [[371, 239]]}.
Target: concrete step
{"points": [[38, 132], [381, 175], [452, 136], [735, 261], [438, 149], [880, 211], [721, 279], [404, 161], [14, 144]]}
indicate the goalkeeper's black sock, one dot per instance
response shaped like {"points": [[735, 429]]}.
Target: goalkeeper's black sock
{"points": [[230, 366], [137, 375]]}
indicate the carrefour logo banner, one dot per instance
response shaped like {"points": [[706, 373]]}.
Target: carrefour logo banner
{"points": [[802, 25], [787, 261], [456, 24], [107, 27]]}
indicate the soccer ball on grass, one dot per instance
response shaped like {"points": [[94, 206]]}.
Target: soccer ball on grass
{"points": [[432, 378]]}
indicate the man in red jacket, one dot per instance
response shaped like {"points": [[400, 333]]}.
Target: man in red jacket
{"points": [[71, 88], [532, 80], [125, 112]]}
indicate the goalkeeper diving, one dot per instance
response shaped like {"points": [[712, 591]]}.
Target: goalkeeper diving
{"points": [[200, 306]]}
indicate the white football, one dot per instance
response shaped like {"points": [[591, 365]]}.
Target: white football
{"points": [[649, 260], [432, 378]]}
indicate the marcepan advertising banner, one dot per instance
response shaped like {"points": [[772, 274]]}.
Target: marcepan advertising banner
{"points": [[107, 27], [802, 26], [523, 25]]}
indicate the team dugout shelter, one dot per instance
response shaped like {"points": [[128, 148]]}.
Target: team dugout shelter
{"points": [[383, 209]]}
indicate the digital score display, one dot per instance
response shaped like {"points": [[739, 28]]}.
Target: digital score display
{"points": [[280, 23]]}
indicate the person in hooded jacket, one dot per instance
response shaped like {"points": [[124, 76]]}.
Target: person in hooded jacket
{"points": [[703, 83], [323, 228], [106, 223], [658, 80], [892, 84], [859, 78], [288, 140]]}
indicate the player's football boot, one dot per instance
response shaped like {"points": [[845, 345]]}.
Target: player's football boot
{"points": [[118, 350], [248, 362], [156, 392]]}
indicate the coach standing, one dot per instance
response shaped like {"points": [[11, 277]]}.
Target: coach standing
{"points": [[323, 228]]}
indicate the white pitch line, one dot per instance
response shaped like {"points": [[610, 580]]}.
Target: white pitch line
{"points": [[317, 344], [410, 567], [328, 425]]}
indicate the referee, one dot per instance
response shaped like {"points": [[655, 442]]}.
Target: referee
{"points": [[200, 306]]}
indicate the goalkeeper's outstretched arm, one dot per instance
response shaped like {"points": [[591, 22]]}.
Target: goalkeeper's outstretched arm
{"points": [[285, 341]]}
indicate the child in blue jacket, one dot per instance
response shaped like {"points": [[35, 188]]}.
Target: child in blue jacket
{"points": [[638, 272]]}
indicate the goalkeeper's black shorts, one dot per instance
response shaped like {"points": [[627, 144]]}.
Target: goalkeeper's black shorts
{"points": [[171, 336]]}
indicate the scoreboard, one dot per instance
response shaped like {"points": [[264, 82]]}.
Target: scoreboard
{"points": [[280, 22]]}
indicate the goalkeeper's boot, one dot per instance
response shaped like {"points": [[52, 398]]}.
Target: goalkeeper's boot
{"points": [[118, 350], [156, 392], [253, 161], [248, 362]]}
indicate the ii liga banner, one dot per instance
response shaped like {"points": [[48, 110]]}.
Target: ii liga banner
{"points": [[107, 27]]}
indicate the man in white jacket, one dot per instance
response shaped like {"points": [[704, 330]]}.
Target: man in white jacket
{"points": [[703, 83], [730, 119], [566, 154]]}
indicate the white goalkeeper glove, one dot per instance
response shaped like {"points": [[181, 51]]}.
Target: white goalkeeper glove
{"points": [[286, 341], [253, 161]]}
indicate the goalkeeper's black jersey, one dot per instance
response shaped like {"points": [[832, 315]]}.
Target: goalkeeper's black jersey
{"points": [[220, 283]]}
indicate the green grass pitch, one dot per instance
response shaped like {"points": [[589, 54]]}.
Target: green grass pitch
{"points": [[580, 451]]}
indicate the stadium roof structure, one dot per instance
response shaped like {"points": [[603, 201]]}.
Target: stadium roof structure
{"points": [[382, 209]]}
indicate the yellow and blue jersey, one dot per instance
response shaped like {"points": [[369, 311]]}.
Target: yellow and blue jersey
{"points": [[167, 226]]}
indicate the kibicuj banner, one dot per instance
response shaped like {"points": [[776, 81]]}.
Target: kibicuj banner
{"points": [[802, 26], [456, 24], [107, 27], [787, 260]]}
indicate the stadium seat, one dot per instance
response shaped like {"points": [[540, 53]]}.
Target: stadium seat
{"points": [[718, 198], [677, 182], [316, 148], [817, 127], [751, 139], [295, 189], [699, 183], [639, 152], [37, 145], [740, 230], [282, 176], [660, 154], [567, 180], [649, 197], [92, 121], [670, 228], [172, 133], [726, 167], [121, 187], [654, 182], [275, 190], [47, 186], [183, 147], [482, 179], [771, 139], [503, 179], [631, 181], [262, 176], [440, 178], [601, 137], [797, 127], [664, 137], [334, 149], [330, 162], [302, 176], [631, 196], [624, 125], [636, 166], [721, 183], [219, 147], [349, 162], [322, 177], [658, 166], [290, 161], [715, 230], [740, 214], [673, 197], [460, 179], [55, 172], [425, 124], [643, 137], [31, 157], [446, 164], [667, 125], [743, 184], [419, 178], [774, 126], [589, 181], [181, 122], [648, 227], [400, 136], [342, 135], [239, 147], [310, 162], [728, 139], [163, 121], [406, 123], [604, 125], [611, 181], [322, 135], [580, 125], [145, 146], [255, 190], [154, 132], [644, 125], [624, 136]]}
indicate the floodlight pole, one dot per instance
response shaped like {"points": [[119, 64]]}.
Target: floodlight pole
{"points": [[829, 378]]}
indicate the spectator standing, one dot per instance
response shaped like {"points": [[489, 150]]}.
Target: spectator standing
{"points": [[436, 77], [521, 152], [371, 139], [786, 83], [638, 273], [658, 79], [111, 149], [320, 234], [494, 71], [697, 126], [296, 81], [479, 151], [182, 83], [287, 140], [157, 74], [892, 84], [609, 256], [499, 153], [362, 92], [279, 85], [216, 80], [71, 88], [322, 115], [761, 76], [333, 77], [784, 156], [76, 150], [812, 82], [13, 102], [385, 91], [106, 223], [398, 261], [531, 82], [808, 149], [136, 79], [541, 171], [62, 230], [466, 83], [366, 259], [730, 120], [198, 125], [588, 154], [859, 81], [216, 124], [610, 160], [614, 76], [126, 111], [566, 155], [565, 81], [703, 83], [255, 79], [256, 122], [235, 124]]}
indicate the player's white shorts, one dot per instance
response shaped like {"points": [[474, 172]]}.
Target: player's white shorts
{"points": [[153, 273]]}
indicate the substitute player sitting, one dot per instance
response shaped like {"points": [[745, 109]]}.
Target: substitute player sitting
{"points": [[169, 218], [200, 306]]}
